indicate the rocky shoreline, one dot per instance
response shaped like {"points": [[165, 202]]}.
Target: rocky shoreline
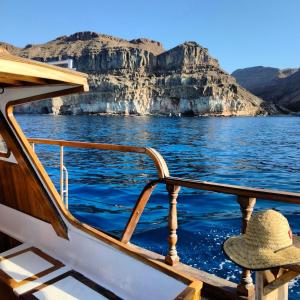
{"points": [[139, 77]]}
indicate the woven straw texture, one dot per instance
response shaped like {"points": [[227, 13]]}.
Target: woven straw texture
{"points": [[267, 243]]}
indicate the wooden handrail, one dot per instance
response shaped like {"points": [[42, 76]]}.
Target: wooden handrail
{"points": [[164, 177], [267, 194], [160, 164], [137, 211]]}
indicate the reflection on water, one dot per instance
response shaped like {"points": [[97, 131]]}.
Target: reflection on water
{"points": [[258, 152]]}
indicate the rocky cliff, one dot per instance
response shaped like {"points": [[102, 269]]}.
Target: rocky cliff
{"points": [[140, 77], [281, 87]]}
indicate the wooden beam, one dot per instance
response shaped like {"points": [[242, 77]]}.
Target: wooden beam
{"points": [[159, 161], [257, 193], [137, 212], [34, 63], [16, 77], [87, 145], [13, 67], [192, 292], [273, 284], [280, 281], [160, 164], [10, 81], [295, 268], [24, 94]]}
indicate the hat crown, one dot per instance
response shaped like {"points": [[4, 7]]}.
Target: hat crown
{"points": [[268, 229]]}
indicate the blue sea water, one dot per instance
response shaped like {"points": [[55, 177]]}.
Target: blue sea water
{"points": [[103, 186]]}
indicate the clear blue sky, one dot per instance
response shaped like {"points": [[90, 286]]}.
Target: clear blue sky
{"points": [[239, 33]]}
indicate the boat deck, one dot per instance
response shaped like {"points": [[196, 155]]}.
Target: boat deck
{"points": [[29, 273]]}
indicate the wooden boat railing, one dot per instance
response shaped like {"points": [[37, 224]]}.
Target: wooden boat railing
{"points": [[246, 198], [160, 164]]}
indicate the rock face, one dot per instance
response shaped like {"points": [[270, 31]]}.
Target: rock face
{"points": [[281, 87], [140, 77]]}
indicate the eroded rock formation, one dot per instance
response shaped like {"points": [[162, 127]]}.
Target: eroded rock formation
{"points": [[281, 87], [140, 77]]}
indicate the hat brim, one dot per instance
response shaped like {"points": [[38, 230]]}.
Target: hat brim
{"points": [[254, 258]]}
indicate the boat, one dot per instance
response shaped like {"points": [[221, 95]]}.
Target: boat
{"points": [[46, 253]]}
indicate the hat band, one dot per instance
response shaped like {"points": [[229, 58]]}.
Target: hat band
{"points": [[283, 248]]}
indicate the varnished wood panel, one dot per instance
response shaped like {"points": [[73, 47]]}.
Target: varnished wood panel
{"points": [[20, 188], [6, 293], [15, 70], [7, 242]]}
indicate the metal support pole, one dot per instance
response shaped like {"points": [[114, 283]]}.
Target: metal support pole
{"points": [[61, 168], [66, 190]]}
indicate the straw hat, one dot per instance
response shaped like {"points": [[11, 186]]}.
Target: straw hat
{"points": [[267, 243]]}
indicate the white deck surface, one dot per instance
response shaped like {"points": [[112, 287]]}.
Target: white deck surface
{"points": [[68, 288], [118, 272], [24, 265], [39, 281]]}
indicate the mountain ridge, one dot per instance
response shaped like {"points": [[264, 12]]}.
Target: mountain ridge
{"points": [[279, 86], [141, 77]]}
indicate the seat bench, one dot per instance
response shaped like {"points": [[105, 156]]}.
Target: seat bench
{"points": [[68, 286], [32, 274], [24, 264]]}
